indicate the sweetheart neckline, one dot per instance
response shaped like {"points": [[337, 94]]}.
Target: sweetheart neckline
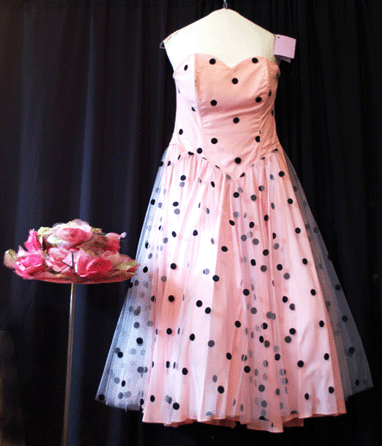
{"points": [[223, 63]]}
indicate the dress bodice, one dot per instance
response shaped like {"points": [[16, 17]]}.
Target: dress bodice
{"points": [[226, 114]]}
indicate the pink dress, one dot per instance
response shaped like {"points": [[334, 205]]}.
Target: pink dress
{"points": [[236, 313]]}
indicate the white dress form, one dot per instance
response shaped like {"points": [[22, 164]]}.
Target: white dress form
{"points": [[224, 34]]}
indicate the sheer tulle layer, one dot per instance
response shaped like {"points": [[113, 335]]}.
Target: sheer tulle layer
{"points": [[236, 313]]}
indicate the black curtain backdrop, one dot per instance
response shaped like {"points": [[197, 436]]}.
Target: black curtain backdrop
{"points": [[87, 104]]}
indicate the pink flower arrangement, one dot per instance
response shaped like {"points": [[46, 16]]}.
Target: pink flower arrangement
{"points": [[71, 252]]}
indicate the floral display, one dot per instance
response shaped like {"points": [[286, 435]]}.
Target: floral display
{"points": [[71, 252]]}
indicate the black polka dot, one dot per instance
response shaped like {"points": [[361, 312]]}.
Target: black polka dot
{"points": [[285, 299], [199, 150], [237, 160], [173, 266], [211, 343], [176, 406], [152, 398], [265, 252], [236, 195], [277, 357], [247, 369], [229, 356], [237, 324], [288, 339], [171, 298], [261, 388], [199, 303], [213, 102], [305, 261], [169, 331], [326, 356], [236, 120], [212, 61], [139, 341], [279, 267], [344, 318], [306, 396], [253, 310], [290, 201], [192, 337], [253, 262], [258, 99], [214, 140], [235, 80], [257, 138], [184, 371], [313, 292], [180, 131], [195, 232], [101, 397], [292, 307], [253, 197], [221, 389], [298, 230], [232, 223], [281, 174], [263, 268], [300, 363], [292, 331], [215, 278], [322, 323], [286, 276], [331, 389], [246, 292], [261, 188], [185, 67], [208, 310], [173, 233], [224, 249]]}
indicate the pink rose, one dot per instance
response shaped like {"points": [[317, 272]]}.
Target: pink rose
{"points": [[33, 243], [59, 259], [73, 233], [113, 241], [31, 264], [91, 267]]}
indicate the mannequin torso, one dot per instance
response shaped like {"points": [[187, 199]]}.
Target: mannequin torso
{"points": [[224, 34]]}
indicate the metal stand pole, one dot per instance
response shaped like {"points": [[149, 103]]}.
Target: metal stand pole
{"points": [[69, 364]]}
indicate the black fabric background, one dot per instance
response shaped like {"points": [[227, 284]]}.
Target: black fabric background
{"points": [[87, 104]]}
